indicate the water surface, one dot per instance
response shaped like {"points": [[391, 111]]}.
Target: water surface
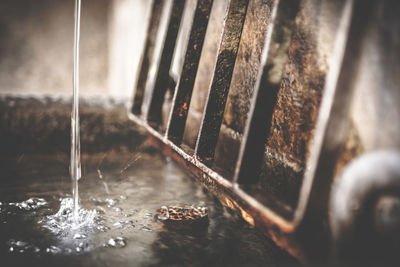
{"points": [[124, 190]]}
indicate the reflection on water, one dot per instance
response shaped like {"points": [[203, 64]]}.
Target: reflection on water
{"points": [[119, 197]]}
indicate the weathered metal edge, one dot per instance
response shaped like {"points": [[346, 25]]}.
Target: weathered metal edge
{"points": [[280, 230]]}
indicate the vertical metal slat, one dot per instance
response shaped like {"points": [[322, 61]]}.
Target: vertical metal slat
{"points": [[163, 80], [183, 94], [266, 90], [216, 100], [333, 120], [150, 43]]}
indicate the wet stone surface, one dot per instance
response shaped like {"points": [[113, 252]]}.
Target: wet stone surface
{"points": [[118, 225]]}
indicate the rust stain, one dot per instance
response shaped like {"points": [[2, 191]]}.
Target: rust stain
{"points": [[229, 203], [247, 217], [183, 110]]}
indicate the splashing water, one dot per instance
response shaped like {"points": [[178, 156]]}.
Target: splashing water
{"points": [[75, 165], [65, 221]]}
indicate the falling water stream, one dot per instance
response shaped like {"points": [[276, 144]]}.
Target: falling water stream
{"points": [[75, 165]]}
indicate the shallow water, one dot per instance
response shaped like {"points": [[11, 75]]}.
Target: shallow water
{"points": [[120, 194]]}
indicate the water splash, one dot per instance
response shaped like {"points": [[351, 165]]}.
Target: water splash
{"points": [[73, 233], [66, 223]]}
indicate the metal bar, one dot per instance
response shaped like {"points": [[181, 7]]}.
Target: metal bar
{"points": [[163, 81], [333, 119], [150, 44], [183, 93], [217, 95], [273, 61]]}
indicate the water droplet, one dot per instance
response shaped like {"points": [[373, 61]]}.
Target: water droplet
{"points": [[124, 224], [100, 210], [32, 203], [22, 247], [163, 213], [121, 242], [130, 213], [95, 200], [117, 209], [122, 197], [118, 242], [111, 202], [53, 250], [103, 228], [20, 244], [111, 242], [146, 229], [79, 236]]}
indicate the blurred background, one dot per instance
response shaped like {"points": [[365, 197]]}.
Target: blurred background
{"points": [[36, 46]]}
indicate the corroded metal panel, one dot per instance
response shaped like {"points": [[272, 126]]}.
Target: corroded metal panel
{"points": [[205, 71], [140, 87], [244, 75], [214, 109], [163, 81], [275, 56], [299, 97], [183, 94], [247, 63]]}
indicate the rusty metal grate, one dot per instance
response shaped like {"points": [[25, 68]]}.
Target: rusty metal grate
{"points": [[268, 66]]}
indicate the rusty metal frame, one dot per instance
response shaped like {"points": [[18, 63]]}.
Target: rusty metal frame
{"points": [[285, 231]]}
